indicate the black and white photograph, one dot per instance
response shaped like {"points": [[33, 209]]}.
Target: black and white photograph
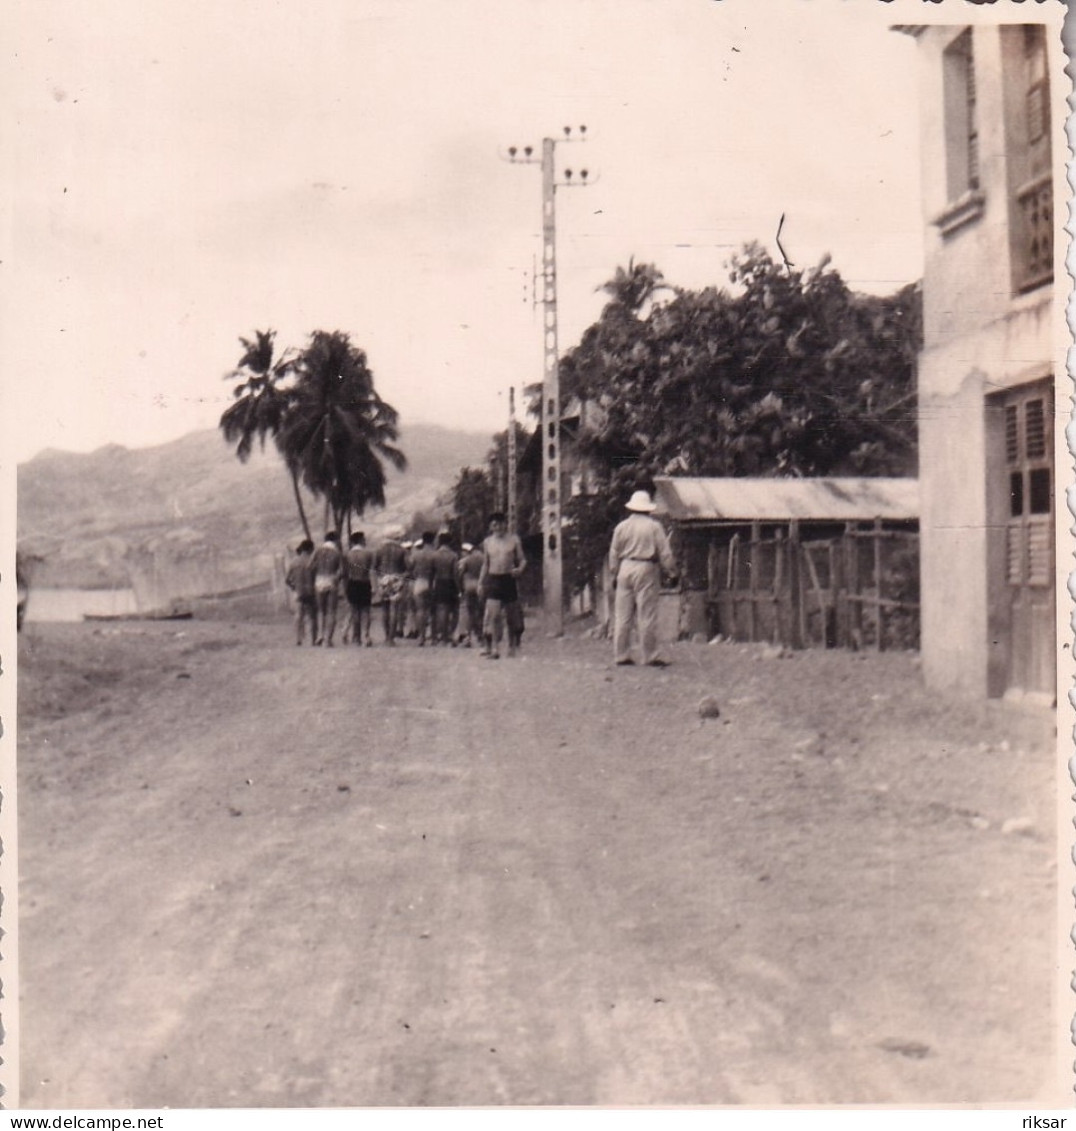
{"points": [[538, 561]]}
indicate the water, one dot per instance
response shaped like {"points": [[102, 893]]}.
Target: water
{"points": [[72, 604]]}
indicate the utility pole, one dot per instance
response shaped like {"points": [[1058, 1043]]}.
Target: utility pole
{"points": [[513, 513], [550, 488], [498, 483]]}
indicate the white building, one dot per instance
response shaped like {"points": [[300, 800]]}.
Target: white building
{"points": [[993, 165]]}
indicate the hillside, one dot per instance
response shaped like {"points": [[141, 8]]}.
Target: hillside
{"points": [[88, 515]]}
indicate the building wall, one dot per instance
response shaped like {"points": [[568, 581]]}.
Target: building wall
{"points": [[980, 336]]}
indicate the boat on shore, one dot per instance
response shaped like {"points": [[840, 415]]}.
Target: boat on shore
{"points": [[160, 614]]}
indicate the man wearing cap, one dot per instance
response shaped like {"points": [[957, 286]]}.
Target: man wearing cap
{"points": [[638, 553]]}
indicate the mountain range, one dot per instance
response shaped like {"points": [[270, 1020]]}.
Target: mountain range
{"points": [[84, 517]]}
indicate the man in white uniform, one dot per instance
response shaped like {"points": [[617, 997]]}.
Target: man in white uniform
{"points": [[638, 553]]}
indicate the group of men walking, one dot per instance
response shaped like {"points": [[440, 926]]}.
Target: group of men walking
{"points": [[427, 590]]}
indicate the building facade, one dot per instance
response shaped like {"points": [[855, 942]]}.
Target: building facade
{"points": [[993, 354]]}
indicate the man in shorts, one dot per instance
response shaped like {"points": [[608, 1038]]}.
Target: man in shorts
{"points": [[422, 585], [300, 580], [328, 570], [502, 564], [446, 593], [390, 566], [470, 570], [358, 566]]}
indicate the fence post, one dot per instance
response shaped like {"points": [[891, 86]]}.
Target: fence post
{"points": [[752, 593], [731, 580], [855, 604], [840, 605], [795, 585], [778, 585], [877, 533]]}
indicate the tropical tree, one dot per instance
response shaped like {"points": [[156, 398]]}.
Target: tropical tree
{"points": [[631, 288], [337, 430], [260, 403], [790, 373], [472, 500]]}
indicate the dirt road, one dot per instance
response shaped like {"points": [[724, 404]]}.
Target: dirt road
{"points": [[260, 875]]}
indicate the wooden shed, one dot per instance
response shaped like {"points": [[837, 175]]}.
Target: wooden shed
{"points": [[818, 563]]}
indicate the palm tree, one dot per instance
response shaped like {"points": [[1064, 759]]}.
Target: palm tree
{"points": [[630, 290], [336, 429], [262, 400]]}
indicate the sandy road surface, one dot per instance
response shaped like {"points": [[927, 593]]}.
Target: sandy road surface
{"points": [[258, 875]]}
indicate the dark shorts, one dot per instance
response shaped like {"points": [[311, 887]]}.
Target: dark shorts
{"points": [[359, 594], [445, 591], [501, 587]]}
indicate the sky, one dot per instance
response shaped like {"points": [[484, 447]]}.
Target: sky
{"points": [[183, 174]]}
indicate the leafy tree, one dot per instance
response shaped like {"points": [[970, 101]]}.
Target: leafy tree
{"points": [[527, 516], [479, 491], [790, 374], [260, 402], [337, 429], [472, 500]]}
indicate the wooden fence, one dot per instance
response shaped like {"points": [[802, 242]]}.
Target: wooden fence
{"points": [[858, 589]]}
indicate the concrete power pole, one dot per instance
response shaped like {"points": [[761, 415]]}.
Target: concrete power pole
{"points": [[550, 488], [513, 510]]}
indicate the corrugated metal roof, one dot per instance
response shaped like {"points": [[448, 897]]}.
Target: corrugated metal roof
{"points": [[778, 500]]}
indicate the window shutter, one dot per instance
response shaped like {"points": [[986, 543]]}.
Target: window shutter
{"points": [[1012, 434], [1034, 430]]}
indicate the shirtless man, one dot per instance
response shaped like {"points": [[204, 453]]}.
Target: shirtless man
{"points": [[470, 570], [390, 565], [358, 565], [328, 569], [502, 564], [422, 585], [446, 593]]}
